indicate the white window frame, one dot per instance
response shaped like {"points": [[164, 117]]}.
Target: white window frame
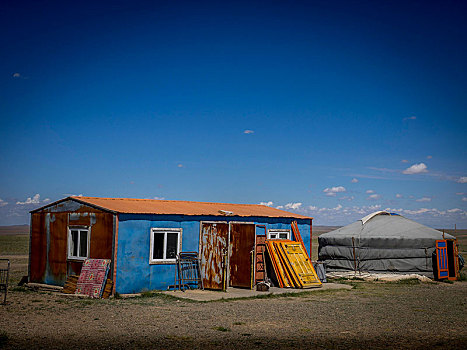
{"points": [[164, 260], [278, 231], [70, 241]]}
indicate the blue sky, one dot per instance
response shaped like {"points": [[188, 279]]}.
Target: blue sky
{"points": [[332, 109]]}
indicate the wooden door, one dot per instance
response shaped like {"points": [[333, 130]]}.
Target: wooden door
{"points": [[442, 259], [242, 243], [214, 241]]}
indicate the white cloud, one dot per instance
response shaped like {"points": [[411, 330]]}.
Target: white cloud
{"points": [[370, 191], [312, 208], [417, 169], [455, 210], [34, 200], [46, 200], [398, 195], [2, 203], [19, 76], [159, 198], [410, 118], [354, 180], [268, 204], [334, 190], [464, 199], [293, 206], [462, 180], [415, 212], [249, 131], [429, 157], [347, 198], [460, 193], [280, 207], [373, 196], [180, 165], [404, 161], [424, 199]]}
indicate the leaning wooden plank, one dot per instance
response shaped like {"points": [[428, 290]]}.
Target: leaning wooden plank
{"points": [[304, 267], [287, 281], [301, 264], [107, 289], [273, 257], [287, 264], [70, 284]]}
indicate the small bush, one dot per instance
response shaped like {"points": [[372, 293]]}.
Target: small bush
{"points": [[409, 281], [221, 329], [147, 294]]}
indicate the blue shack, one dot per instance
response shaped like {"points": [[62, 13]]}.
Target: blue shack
{"points": [[142, 238]]}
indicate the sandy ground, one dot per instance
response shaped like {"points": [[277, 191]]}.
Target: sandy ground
{"points": [[373, 315]]}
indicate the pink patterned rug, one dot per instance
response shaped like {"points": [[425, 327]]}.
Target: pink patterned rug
{"points": [[92, 279]]}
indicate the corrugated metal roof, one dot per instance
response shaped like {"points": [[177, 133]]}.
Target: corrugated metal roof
{"points": [[156, 206]]}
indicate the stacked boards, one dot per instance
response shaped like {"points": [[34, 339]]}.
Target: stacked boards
{"points": [[291, 264]]}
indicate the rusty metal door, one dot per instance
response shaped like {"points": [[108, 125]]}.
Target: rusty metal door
{"points": [[242, 243], [214, 239]]}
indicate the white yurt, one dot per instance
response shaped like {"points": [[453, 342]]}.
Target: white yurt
{"points": [[381, 242]]}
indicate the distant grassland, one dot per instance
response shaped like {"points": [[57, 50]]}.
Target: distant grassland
{"points": [[461, 236], [14, 245]]}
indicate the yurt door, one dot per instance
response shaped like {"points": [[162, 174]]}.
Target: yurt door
{"points": [[442, 259]]}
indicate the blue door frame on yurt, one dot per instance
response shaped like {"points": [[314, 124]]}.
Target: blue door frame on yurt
{"points": [[442, 259]]}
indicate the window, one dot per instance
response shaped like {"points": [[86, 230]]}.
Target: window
{"points": [[78, 243], [278, 234], [165, 245]]}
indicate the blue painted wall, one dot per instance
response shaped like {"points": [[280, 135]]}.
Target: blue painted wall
{"points": [[135, 274]]}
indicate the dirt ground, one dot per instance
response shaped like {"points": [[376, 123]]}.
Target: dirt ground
{"points": [[373, 315]]}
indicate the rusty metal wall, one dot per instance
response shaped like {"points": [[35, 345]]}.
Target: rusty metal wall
{"points": [[38, 246], [49, 261], [214, 240], [242, 243]]}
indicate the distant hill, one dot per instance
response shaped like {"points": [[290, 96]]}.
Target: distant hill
{"points": [[14, 230], [319, 230]]}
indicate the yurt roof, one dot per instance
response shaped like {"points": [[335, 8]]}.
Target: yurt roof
{"points": [[385, 224]]}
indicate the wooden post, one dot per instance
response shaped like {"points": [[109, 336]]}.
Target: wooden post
{"points": [[354, 257]]}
